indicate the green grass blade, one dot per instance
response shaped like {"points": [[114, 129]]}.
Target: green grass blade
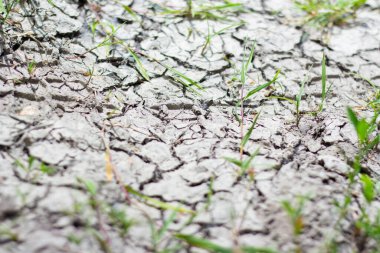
{"points": [[368, 188], [256, 250], [157, 203], [131, 12], [236, 115], [324, 80], [292, 101], [245, 66], [215, 248], [186, 84], [208, 39], [374, 86], [31, 160], [190, 8], [249, 132], [89, 185], [358, 3], [203, 244], [263, 86], [299, 98], [221, 31], [288, 208], [352, 116], [21, 165], [185, 80], [234, 161], [52, 3], [300, 94], [222, 7], [362, 130], [139, 65], [250, 59], [362, 127], [188, 79], [372, 144], [2, 7], [161, 232], [247, 162], [168, 11]]}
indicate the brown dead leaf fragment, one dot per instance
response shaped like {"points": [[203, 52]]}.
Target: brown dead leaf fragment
{"points": [[109, 166]]}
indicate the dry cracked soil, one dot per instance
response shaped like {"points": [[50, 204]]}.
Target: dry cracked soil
{"points": [[71, 111]]}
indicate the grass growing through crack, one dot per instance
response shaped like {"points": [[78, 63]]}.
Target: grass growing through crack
{"points": [[295, 213], [245, 164], [102, 213], [366, 226], [325, 13], [369, 227], [325, 90], [6, 7], [34, 170], [111, 39], [31, 67], [374, 99], [93, 27], [109, 30], [366, 131]]}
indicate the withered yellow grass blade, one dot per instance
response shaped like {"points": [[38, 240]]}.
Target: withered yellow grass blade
{"points": [[109, 166]]}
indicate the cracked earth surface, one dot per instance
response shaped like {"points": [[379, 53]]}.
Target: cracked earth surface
{"points": [[168, 142]]}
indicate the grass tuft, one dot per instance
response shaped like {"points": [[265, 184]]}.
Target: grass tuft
{"points": [[326, 13], [366, 132]]}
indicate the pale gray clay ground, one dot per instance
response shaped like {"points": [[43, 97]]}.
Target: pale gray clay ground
{"points": [[169, 143]]}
